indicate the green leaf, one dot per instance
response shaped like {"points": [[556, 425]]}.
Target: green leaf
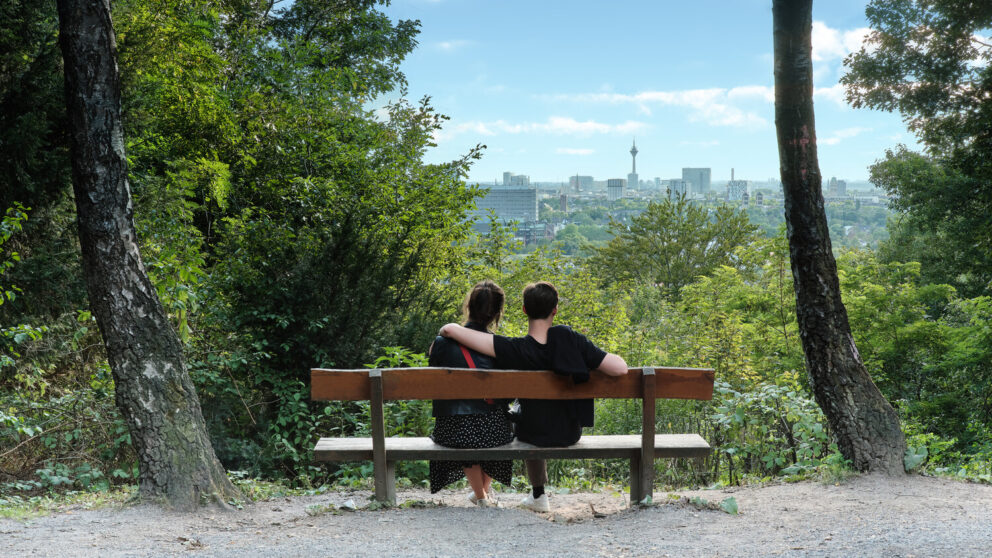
{"points": [[729, 505], [914, 457]]}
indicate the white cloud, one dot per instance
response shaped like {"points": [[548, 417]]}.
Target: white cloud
{"points": [[842, 134], [833, 93], [555, 125], [763, 92], [831, 43], [711, 106], [453, 45], [574, 151]]}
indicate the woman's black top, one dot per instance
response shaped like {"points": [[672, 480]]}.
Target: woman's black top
{"points": [[447, 353]]}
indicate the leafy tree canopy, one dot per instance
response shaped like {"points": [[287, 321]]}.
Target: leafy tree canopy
{"points": [[931, 60], [671, 244]]}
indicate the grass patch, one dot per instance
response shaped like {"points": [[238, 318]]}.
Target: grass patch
{"points": [[28, 507]]}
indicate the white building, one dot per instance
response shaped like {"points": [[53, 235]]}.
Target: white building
{"points": [[510, 180], [736, 189], [616, 188], [678, 187]]}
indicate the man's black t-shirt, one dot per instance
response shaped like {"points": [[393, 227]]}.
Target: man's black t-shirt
{"points": [[545, 422]]}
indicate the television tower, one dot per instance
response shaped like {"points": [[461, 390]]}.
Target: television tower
{"points": [[632, 180], [633, 157]]}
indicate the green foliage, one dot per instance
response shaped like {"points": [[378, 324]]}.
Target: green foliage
{"points": [[915, 456], [928, 60], [941, 219], [672, 243], [729, 505], [768, 430]]}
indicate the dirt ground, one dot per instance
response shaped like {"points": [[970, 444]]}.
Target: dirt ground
{"points": [[864, 516]]}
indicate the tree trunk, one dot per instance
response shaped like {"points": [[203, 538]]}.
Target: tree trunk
{"points": [[154, 392], [866, 426]]}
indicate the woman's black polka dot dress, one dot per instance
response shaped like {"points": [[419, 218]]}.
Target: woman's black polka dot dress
{"points": [[471, 431]]}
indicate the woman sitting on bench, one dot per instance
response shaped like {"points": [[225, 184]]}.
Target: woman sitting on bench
{"points": [[471, 423]]}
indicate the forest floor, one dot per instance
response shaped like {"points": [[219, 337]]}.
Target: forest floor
{"points": [[862, 516]]}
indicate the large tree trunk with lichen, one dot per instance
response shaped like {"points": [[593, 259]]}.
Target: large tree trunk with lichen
{"points": [[154, 392], [866, 426]]}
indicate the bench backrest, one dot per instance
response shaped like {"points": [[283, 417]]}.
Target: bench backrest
{"points": [[473, 383]]}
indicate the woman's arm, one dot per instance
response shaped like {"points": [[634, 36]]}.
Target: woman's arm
{"points": [[613, 365], [478, 341]]}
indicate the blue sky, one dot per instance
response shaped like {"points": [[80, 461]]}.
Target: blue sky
{"points": [[556, 88]]}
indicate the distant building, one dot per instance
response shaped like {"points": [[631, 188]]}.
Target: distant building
{"points": [[745, 199], [736, 189], [535, 232], [511, 180], [511, 204], [838, 188], [580, 183], [616, 188], [699, 178], [563, 202], [678, 187], [759, 199]]}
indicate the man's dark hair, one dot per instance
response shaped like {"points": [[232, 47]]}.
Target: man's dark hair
{"points": [[540, 299]]}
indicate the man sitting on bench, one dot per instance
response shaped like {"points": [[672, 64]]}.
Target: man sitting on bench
{"points": [[544, 422]]}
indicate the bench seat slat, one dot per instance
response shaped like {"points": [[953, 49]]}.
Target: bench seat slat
{"points": [[589, 447]]}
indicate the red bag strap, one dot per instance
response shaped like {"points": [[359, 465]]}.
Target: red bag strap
{"points": [[468, 356], [471, 364]]}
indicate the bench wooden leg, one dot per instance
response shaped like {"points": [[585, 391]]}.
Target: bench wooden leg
{"points": [[384, 470], [385, 482], [635, 480]]}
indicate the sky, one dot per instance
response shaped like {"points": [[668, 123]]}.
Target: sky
{"points": [[556, 88]]}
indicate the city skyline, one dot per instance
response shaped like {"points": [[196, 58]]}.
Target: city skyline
{"points": [[559, 89]]}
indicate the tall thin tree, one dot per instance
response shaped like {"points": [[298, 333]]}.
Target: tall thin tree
{"points": [[153, 390], [866, 426]]}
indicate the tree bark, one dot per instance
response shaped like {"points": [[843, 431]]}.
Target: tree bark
{"points": [[153, 390], [866, 426]]}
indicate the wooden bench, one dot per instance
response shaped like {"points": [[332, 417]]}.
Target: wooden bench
{"points": [[391, 384]]}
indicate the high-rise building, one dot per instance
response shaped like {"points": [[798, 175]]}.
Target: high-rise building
{"points": [[736, 189], [699, 177], [615, 188], [838, 188], [511, 204], [511, 180]]}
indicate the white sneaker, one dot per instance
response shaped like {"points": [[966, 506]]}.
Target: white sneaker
{"points": [[540, 504], [491, 496], [486, 503]]}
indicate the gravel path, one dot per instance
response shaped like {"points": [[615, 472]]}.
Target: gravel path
{"points": [[866, 516]]}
